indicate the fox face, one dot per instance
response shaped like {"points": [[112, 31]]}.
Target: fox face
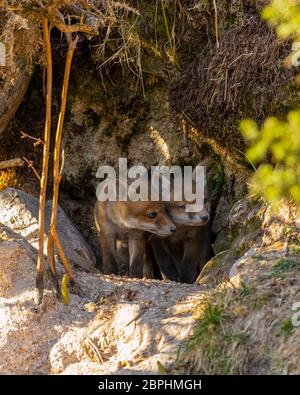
{"points": [[147, 216], [177, 212]]}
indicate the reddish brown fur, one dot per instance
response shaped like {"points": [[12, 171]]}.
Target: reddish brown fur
{"points": [[128, 222]]}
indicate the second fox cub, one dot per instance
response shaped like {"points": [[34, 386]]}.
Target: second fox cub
{"points": [[127, 221], [181, 256]]}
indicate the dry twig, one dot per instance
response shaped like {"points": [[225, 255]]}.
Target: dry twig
{"points": [[30, 166], [38, 141]]}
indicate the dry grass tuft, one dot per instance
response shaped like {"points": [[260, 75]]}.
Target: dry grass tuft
{"points": [[111, 25], [8, 178], [245, 77], [18, 35]]}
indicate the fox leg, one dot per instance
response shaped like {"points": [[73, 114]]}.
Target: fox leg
{"points": [[122, 257], [108, 245], [189, 266], [164, 260], [137, 249], [150, 269]]}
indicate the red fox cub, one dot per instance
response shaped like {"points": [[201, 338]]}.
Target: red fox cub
{"points": [[181, 256], [127, 221]]}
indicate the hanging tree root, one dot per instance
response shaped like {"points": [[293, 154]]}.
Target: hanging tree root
{"points": [[44, 176], [52, 237], [57, 173], [90, 16]]}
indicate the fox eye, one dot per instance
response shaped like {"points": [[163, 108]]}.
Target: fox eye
{"points": [[183, 206], [152, 214]]}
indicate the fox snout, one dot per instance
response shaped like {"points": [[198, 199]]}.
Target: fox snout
{"points": [[205, 217], [165, 226], [164, 232]]}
